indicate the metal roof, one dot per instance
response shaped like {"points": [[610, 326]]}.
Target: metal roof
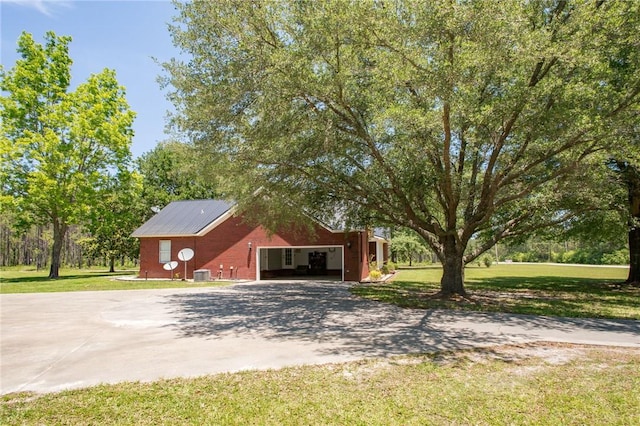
{"points": [[183, 218], [188, 218]]}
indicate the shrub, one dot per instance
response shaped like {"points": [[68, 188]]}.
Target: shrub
{"points": [[392, 266], [375, 275], [519, 257], [487, 260], [384, 270], [620, 257]]}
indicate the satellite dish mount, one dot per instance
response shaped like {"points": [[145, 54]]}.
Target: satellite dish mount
{"points": [[186, 254], [170, 266]]}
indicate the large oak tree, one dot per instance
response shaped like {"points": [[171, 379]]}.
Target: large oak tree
{"points": [[458, 119], [59, 148]]}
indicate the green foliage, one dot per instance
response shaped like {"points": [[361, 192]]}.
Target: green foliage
{"points": [[375, 275], [175, 171], [619, 257], [114, 216], [577, 250], [407, 247], [60, 149], [391, 266], [485, 260], [458, 120]]}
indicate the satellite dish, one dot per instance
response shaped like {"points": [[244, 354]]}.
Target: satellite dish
{"points": [[170, 266], [185, 254]]}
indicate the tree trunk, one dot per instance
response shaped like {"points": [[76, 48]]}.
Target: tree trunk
{"points": [[634, 256], [112, 263], [633, 182], [452, 281], [59, 232]]}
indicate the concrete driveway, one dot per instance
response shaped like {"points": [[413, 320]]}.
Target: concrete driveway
{"points": [[55, 341]]}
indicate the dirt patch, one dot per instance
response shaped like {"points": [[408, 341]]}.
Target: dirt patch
{"points": [[549, 353]]}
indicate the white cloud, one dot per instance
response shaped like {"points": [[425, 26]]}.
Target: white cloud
{"points": [[46, 7]]}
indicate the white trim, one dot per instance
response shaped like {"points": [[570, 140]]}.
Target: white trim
{"points": [[379, 253], [220, 219], [166, 252], [286, 265]]}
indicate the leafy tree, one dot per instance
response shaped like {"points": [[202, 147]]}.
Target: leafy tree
{"points": [[625, 162], [608, 207], [60, 148], [174, 171], [407, 246], [630, 176], [112, 220], [457, 120]]}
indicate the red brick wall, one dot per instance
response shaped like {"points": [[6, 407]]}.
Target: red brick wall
{"points": [[150, 265], [227, 245]]}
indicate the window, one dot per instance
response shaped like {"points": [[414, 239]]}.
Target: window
{"points": [[288, 257], [165, 251]]}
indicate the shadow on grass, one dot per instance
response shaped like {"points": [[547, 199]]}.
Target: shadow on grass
{"points": [[543, 295], [545, 283]]}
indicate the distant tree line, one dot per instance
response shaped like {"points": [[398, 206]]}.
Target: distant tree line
{"points": [[406, 249], [168, 172], [32, 248]]}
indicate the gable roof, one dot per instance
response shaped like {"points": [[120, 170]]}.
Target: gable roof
{"points": [[192, 218], [185, 218]]}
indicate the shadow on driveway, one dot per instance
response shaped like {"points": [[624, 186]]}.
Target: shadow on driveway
{"points": [[328, 314]]}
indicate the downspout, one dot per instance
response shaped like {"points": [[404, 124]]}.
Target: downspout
{"points": [[195, 258], [361, 255]]}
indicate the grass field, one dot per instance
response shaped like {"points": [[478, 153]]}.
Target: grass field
{"points": [[543, 384], [21, 280], [538, 289], [519, 385]]}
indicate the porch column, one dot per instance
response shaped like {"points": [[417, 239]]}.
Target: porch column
{"points": [[379, 253]]}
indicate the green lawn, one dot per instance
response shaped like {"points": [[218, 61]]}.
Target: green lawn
{"points": [[538, 289], [21, 280], [534, 384], [545, 384]]}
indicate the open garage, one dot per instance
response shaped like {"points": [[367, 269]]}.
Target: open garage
{"points": [[312, 262]]}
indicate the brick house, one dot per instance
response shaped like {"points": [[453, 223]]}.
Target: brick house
{"points": [[228, 247]]}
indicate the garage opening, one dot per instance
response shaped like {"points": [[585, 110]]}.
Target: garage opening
{"points": [[326, 262]]}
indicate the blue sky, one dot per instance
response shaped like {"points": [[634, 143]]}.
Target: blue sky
{"points": [[121, 35]]}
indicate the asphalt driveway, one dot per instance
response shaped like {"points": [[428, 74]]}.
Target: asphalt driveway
{"points": [[55, 341]]}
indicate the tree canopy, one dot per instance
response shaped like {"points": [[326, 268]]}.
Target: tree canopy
{"points": [[60, 149], [458, 120], [174, 171]]}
